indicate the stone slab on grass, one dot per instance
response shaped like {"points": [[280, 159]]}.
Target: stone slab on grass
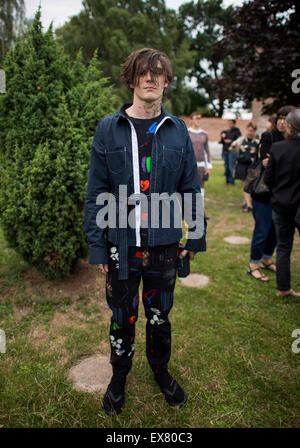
{"points": [[91, 374], [195, 280], [237, 240]]}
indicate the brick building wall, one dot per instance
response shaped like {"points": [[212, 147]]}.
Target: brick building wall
{"points": [[214, 126]]}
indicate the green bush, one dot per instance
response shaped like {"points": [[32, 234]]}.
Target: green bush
{"points": [[47, 121]]}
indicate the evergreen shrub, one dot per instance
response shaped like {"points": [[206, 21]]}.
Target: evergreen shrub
{"points": [[48, 117]]}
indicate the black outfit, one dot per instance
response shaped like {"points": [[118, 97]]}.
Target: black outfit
{"points": [[282, 175], [247, 154], [231, 134], [124, 151], [266, 142], [157, 266]]}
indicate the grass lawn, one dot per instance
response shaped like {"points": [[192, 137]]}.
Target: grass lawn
{"points": [[232, 341]]}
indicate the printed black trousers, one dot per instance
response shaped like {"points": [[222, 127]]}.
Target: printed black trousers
{"points": [[157, 267]]}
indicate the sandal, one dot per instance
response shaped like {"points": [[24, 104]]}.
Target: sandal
{"points": [[262, 277], [270, 266], [289, 293]]}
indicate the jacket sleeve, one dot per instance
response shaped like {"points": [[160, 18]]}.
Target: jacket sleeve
{"points": [[269, 174], [98, 183], [265, 145], [207, 157], [235, 146], [237, 133], [192, 203]]}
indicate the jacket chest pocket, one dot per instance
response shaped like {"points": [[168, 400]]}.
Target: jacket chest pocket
{"points": [[172, 157], [116, 159]]}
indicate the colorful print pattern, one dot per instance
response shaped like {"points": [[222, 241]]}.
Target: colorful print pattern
{"points": [[157, 265]]}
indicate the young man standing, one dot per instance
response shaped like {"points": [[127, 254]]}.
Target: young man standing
{"points": [[199, 140], [227, 137], [146, 152]]}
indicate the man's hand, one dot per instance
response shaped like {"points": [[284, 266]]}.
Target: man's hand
{"points": [[103, 268], [265, 161], [227, 140], [184, 252], [207, 171]]}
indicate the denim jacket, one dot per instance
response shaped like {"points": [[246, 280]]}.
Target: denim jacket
{"points": [[114, 162]]}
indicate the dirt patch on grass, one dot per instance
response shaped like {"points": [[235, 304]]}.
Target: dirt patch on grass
{"points": [[223, 224], [20, 312], [86, 280], [60, 320], [38, 335]]}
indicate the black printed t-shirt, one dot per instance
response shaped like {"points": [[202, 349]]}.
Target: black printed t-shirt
{"points": [[145, 129]]}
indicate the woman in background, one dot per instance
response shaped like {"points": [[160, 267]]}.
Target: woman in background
{"points": [[264, 237], [271, 124]]}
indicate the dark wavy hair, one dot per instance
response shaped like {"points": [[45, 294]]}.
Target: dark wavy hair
{"points": [[140, 62], [283, 112]]}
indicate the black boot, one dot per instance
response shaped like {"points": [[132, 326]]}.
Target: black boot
{"points": [[173, 392], [114, 397]]}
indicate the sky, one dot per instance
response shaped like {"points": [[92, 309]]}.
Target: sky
{"points": [[60, 10]]}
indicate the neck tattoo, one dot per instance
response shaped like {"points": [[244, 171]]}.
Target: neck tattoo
{"points": [[156, 109]]}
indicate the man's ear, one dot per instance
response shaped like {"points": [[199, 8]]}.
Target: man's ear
{"points": [[166, 85]]}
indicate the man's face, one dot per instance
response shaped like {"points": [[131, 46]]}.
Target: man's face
{"points": [[231, 124], [281, 124], [149, 88], [250, 132], [196, 121]]}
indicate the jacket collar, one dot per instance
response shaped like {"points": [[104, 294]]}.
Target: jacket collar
{"points": [[197, 131], [121, 112], [277, 135]]}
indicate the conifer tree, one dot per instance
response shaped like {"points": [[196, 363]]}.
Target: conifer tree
{"points": [[47, 121]]}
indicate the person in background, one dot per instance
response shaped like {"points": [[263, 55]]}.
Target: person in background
{"points": [[264, 237], [199, 140], [271, 124], [227, 137], [282, 175], [245, 149]]}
